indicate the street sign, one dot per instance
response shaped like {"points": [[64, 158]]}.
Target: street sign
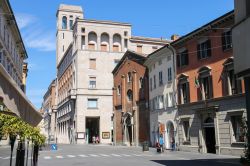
{"points": [[53, 146]]}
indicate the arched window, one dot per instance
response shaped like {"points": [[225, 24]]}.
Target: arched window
{"points": [[64, 22], [130, 95], [119, 90], [129, 78], [104, 42], [117, 43], [92, 41], [141, 83]]}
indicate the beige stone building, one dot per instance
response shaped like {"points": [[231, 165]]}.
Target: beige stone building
{"points": [[87, 52], [13, 69], [49, 112]]}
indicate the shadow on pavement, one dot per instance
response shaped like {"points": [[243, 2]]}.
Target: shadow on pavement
{"points": [[199, 162]]}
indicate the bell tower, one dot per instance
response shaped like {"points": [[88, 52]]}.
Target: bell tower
{"points": [[66, 17]]}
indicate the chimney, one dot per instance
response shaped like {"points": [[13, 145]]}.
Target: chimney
{"points": [[175, 37]]}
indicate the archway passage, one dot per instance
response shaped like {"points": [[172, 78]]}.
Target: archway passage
{"points": [[210, 135], [170, 135], [92, 128]]}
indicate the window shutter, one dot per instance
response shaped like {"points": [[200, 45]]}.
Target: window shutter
{"points": [[198, 52], [210, 87], [209, 48], [223, 41], [178, 60], [166, 100], [188, 92]]}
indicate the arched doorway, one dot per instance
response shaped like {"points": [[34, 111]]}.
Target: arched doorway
{"points": [[209, 133], [129, 129], [169, 136]]}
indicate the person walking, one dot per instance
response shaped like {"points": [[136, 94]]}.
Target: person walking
{"points": [[161, 142]]}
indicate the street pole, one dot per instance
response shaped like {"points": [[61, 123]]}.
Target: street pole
{"points": [[247, 92]]}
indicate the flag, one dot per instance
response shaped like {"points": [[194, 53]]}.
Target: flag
{"points": [[197, 84]]}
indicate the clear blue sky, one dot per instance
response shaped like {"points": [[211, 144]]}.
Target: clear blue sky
{"points": [[158, 18]]}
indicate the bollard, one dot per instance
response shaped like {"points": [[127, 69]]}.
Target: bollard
{"points": [[145, 146], [20, 154]]}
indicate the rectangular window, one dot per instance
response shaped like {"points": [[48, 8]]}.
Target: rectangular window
{"points": [[204, 50], [184, 93], [71, 24], [125, 33], [182, 58], [154, 81], [160, 78], [92, 64], [83, 30], [126, 43], [63, 35], [139, 49], [226, 38], [169, 74], [186, 129], [238, 131], [92, 82], [83, 42], [170, 101], [92, 103], [150, 84], [161, 100]]}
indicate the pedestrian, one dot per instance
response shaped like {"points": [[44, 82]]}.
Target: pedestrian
{"points": [[93, 139], [161, 142], [173, 144], [97, 139]]}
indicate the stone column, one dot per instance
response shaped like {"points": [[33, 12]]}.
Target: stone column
{"points": [[217, 132], [98, 47], [111, 43]]}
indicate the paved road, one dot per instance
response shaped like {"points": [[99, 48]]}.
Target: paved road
{"points": [[94, 155]]}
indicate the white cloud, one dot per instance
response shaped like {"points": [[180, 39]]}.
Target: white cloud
{"points": [[23, 20], [35, 36]]}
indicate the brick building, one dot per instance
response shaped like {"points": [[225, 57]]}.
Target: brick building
{"points": [[130, 97], [211, 99]]}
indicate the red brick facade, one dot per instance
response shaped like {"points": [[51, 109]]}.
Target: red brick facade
{"points": [[130, 97], [212, 32]]}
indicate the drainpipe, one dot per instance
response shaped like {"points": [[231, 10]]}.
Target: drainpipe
{"points": [[171, 48]]}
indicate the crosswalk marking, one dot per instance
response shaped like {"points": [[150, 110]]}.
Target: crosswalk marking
{"points": [[6, 158], [126, 155], [93, 155], [59, 157], [71, 156], [47, 157], [139, 155], [82, 155], [104, 155], [116, 155]]}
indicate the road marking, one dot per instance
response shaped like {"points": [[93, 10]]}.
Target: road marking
{"points": [[47, 157], [139, 155], [104, 155], [116, 155], [126, 155], [59, 157], [71, 156], [82, 155], [93, 155], [6, 158]]}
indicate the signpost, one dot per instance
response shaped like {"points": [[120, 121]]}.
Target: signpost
{"points": [[53, 146]]}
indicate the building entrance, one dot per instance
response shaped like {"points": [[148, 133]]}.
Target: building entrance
{"points": [[210, 135], [92, 129]]}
